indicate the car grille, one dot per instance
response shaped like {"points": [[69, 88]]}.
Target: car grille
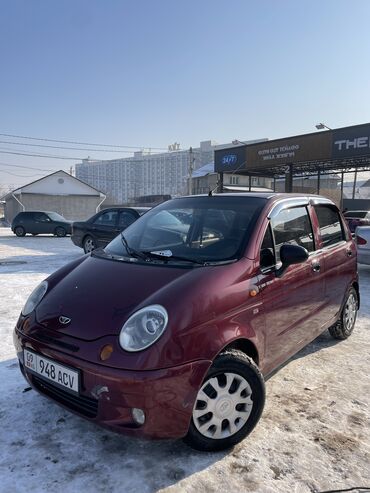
{"points": [[83, 405]]}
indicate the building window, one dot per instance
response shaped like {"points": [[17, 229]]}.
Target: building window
{"points": [[234, 180]]}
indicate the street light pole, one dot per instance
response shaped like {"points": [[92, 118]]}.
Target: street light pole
{"points": [[191, 169], [321, 126]]}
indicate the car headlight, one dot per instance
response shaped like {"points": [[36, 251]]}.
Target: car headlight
{"points": [[34, 298], [143, 328]]}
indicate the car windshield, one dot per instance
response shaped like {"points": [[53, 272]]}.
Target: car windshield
{"points": [[55, 216], [191, 229]]}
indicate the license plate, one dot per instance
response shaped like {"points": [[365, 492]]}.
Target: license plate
{"points": [[50, 370]]}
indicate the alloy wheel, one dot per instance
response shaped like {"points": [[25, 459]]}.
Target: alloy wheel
{"points": [[89, 245]]}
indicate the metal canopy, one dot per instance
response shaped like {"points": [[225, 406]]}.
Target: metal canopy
{"points": [[305, 168]]}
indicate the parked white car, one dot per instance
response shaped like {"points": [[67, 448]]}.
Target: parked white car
{"points": [[363, 244]]}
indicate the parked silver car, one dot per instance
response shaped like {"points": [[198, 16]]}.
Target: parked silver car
{"points": [[363, 244]]}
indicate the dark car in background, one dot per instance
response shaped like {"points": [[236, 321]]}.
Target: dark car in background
{"points": [[40, 222], [101, 228], [357, 218]]}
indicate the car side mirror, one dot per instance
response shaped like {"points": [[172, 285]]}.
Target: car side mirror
{"points": [[289, 255]]}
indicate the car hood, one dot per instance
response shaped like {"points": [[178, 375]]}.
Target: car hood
{"points": [[98, 295]]}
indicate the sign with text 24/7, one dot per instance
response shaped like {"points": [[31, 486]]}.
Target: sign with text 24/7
{"points": [[351, 141], [231, 159]]}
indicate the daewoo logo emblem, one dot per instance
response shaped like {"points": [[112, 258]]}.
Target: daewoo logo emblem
{"points": [[64, 320]]}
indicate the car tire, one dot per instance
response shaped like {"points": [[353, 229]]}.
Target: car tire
{"points": [[345, 325], [89, 244], [20, 231], [60, 232], [233, 391]]}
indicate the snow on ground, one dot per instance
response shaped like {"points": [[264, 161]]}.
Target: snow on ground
{"points": [[313, 435]]}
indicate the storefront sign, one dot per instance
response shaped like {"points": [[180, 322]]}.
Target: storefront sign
{"points": [[294, 149], [229, 160], [351, 141]]}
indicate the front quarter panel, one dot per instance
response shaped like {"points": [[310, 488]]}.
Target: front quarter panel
{"points": [[206, 317]]}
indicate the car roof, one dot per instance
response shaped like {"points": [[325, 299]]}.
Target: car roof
{"points": [[43, 212], [125, 208], [270, 196]]}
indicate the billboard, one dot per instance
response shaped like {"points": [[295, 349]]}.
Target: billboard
{"points": [[342, 143], [230, 160], [291, 150], [351, 142]]}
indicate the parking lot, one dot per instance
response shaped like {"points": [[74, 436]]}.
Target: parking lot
{"points": [[314, 434]]}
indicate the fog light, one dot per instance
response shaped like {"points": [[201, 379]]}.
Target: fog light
{"points": [[106, 352], [138, 415]]}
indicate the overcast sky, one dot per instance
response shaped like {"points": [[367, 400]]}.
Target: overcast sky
{"points": [[149, 73]]}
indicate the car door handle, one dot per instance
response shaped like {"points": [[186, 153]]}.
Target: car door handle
{"points": [[349, 253], [316, 267]]}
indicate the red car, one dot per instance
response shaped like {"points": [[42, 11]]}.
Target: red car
{"points": [[170, 330]]}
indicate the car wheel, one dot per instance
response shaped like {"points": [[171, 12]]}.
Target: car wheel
{"points": [[60, 232], [89, 244], [228, 404], [344, 327], [20, 231]]}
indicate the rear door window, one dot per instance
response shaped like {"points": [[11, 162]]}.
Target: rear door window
{"points": [[331, 228], [41, 217], [24, 216], [125, 219], [108, 218], [293, 226]]}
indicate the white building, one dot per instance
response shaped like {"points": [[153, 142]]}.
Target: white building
{"points": [[57, 192], [144, 174]]}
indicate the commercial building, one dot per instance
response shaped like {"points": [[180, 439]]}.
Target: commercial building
{"points": [[167, 173], [205, 179], [57, 192]]}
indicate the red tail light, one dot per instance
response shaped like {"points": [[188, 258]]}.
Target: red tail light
{"points": [[360, 240]]}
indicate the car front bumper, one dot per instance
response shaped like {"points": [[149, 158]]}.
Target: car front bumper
{"points": [[107, 395]]}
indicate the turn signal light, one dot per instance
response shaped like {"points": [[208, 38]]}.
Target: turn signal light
{"points": [[106, 352], [360, 241]]}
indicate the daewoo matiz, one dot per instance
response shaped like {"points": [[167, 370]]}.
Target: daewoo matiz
{"points": [[170, 330]]}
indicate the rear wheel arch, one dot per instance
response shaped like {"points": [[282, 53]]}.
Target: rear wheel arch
{"points": [[86, 237], [356, 286], [60, 231], [19, 230]]}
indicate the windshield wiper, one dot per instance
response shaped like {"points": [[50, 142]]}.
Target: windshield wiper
{"points": [[166, 255], [131, 251]]}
